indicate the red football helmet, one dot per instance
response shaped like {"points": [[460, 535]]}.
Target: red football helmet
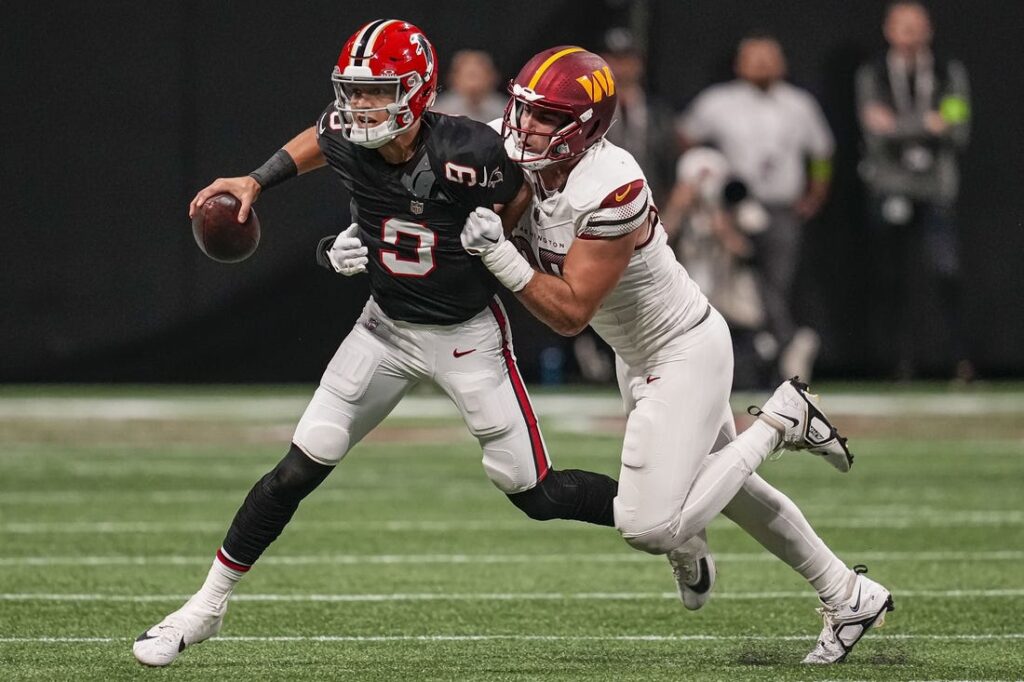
{"points": [[567, 80], [392, 54]]}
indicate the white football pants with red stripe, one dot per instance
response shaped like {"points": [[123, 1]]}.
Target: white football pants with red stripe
{"points": [[472, 362]]}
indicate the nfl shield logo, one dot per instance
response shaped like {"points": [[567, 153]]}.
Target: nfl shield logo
{"points": [[416, 207]]}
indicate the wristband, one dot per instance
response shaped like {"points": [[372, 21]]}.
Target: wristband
{"points": [[277, 169], [510, 268], [322, 247]]}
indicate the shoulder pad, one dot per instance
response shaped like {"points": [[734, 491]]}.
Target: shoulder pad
{"points": [[605, 168]]}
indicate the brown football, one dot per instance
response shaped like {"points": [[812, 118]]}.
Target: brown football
{"points": [[218, 232]]}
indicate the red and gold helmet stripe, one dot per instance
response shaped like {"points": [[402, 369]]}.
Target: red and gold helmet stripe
{"points": [[548, 62]]}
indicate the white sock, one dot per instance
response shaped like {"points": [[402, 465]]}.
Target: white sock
{"points": [[834, 581], [759, 440], [772, 519], [725, 472], [220, 583]]}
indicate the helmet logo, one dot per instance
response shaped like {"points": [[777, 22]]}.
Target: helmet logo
{"points": [[423, 47], [602, 86]]}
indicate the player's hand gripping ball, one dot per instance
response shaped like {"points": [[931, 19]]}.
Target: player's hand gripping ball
{"points": [[219, 234]]}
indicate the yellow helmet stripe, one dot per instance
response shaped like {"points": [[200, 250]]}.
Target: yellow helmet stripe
{"points": [[548, 62]]}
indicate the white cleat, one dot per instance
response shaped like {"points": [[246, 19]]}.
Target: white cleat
{"points": [[161, 644], [805, 426], [847, 622], [694, 573]]}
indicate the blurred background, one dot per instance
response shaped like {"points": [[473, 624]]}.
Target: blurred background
{"points": [[116, 113]]}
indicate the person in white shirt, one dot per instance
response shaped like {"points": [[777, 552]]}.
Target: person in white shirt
{"points": [[591, 250], [768, 130], [472, 88]]}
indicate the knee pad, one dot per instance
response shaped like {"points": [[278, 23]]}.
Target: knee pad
{"points": [[322, 442], [321, 432], [504, 470], [660, 539]]}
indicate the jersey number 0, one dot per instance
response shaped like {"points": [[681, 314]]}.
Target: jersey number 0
{"points": [[419, 266]]}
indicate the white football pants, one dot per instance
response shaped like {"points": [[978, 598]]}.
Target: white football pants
{"points": [[473, 362], [682, 462]]}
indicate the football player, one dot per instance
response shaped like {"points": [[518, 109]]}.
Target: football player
{"points": [[414, 176], [591, 250]]}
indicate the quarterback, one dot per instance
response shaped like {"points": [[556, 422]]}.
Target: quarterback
{"points": [[591, 250], [414, 176]]}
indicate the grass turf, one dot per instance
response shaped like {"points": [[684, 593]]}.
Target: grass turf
{"points": [[407, 563]]}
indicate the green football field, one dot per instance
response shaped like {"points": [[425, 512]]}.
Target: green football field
{"points": [[408, 564]]}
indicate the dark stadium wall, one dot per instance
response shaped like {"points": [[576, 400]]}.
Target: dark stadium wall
{"points": [[116, 113], [693, 45]]}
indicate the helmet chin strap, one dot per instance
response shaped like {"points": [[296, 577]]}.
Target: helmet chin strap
{"points": [[393, 109]]}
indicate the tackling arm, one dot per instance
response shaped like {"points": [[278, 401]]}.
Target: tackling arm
{"points": [[591, 270]]}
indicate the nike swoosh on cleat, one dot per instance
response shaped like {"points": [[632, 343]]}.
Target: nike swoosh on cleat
{"points": [[856, 607], [704, 582], [458, 354], [651, 380], [493, 241], [181, 644], [144, 636]]}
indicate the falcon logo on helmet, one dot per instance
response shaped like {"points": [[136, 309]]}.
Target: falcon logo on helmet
{"points": [[394, 60], [570, 85]]}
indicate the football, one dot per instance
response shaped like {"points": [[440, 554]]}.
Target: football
{"points": [[219, 234]]}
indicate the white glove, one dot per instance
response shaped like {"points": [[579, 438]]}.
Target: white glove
{"points": [[483, 236], [482, 232], [347, 254]]}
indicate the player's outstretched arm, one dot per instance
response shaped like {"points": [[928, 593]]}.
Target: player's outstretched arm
{"points": [[300, 155]]}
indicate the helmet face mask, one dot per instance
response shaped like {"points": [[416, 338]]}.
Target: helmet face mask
{"points": [[362, 124], [384, 80], [566, 82], [517, 135]]}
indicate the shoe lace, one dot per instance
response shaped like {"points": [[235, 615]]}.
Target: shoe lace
{"points": [[685, 569], [828, 634], [828, 613]]}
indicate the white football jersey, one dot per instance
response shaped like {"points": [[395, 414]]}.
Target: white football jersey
{"points": [[606, 196]]}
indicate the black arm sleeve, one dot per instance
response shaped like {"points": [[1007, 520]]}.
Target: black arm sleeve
{"points": [[322, 247]]}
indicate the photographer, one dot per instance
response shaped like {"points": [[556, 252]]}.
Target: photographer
{"points": [[914, 109]]}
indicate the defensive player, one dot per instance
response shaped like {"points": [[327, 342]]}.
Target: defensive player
{"points": [[414, 176], [592, 250]]}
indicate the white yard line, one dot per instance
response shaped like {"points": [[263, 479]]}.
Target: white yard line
{"points": [[421, 559], [285, 409], [357, 559], [994, 636], [490, 596]]}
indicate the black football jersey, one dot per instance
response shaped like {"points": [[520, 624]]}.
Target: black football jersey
{"points": [[411, 215]]}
